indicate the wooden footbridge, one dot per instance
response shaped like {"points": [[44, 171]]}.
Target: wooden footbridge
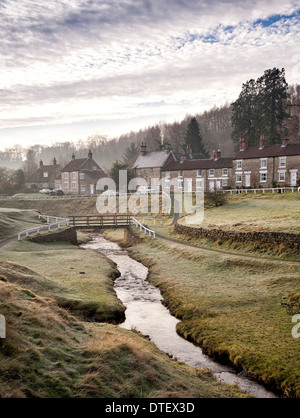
{"points": [[90, 222]]}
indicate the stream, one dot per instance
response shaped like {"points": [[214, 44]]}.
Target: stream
{"points": [[146, 313]]}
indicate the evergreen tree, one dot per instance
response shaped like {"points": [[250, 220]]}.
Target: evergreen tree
{"points": [[245, 116], [260, 109], [272, 88], [193, 140], [130, 155]]}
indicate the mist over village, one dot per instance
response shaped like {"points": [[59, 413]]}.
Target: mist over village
{"points": [[149, 202]]}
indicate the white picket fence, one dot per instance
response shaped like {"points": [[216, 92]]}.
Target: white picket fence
{"points": [[263, 191]]}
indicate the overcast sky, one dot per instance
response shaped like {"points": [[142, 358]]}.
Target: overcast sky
{"points": [[73, 68]]}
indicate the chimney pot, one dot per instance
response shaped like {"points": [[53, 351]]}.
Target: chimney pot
{"points": [[41, 163], [73, 156], [90, 155], [262, 141], [54, 161]]}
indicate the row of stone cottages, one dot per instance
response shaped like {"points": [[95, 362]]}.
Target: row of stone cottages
{"points": [[251, 167]]}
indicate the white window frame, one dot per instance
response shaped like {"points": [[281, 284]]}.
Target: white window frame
{"points": [[280, 173], [151, 171], [45, 174], [211, 172], [167, 183], [180, 173], [225, 172], [224, 182], [66, 186], [239, 164], [282, 159], [238, 175], [263, 160], [66, 176], [199, 173], [199, 183], [81, 176], [138, 171], [74, 175], [180, 184], [74, 185], [168, 174], [263, 173], [83, 188]]}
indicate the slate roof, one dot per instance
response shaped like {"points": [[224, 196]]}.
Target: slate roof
{"points": [[269, 151], [74, 165], [152, 160], [38, 177], [199, 164]]}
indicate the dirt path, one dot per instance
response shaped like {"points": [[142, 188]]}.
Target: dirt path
{"points": [[7, 241], [225, 252]]}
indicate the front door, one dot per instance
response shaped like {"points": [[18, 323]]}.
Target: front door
{"points": [[293, 178], [211, 185], [247, 180], [218, 184]]}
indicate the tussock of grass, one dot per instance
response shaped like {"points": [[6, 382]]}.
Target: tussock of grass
{"points": [[234, 308]]}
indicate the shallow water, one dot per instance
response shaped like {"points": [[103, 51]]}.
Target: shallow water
{"points": [[146, 313]]}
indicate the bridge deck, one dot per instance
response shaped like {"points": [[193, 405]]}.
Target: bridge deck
{"points": [[101, 221]]}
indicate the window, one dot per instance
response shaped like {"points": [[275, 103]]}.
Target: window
{"points": [[83, 188], [138, 172], [180, 184], [167, 174], [239, 164], [211, 173], [151, 170], [167, 183], [282, 176], [45, 174], [180, 173], [66, 176], [66, 186], [282, 162], [225, 172], [199, 173], [73, 185], [74, 175], [263, 177], [81, 176], [199, 183], [239, 178], [263, 163], [224, 183]]}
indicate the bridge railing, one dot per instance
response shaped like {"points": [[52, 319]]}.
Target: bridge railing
{"points": [[154, 220], [263, 191], [148, 231], [48, 227]]}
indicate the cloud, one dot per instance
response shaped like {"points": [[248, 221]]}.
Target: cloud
{"points": [[77, 60]]}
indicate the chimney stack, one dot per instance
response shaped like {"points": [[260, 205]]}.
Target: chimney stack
{"points": [[183, 158], [243, 144], [41, 163], [168, 147], [216, 154], [90, 155], [285, 141], [54, 161], [262, 142], [162, 147], [73, 156], [143, 150]]}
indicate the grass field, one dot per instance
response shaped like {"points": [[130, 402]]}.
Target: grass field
{"points": [[278, 212], [236, 309], [13, 221]]}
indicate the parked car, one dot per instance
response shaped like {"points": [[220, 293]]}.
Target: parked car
{"points": [[146, 190], [57, 192], [45, 191]]}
